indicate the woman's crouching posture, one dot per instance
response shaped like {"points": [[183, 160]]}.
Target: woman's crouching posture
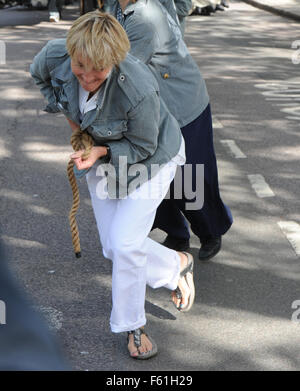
{"points": [[113, 97]]}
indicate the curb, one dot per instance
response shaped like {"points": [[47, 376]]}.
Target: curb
{"points": [[274, 10]]}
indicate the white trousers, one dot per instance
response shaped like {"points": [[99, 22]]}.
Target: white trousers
{"points": [[124, 225]]}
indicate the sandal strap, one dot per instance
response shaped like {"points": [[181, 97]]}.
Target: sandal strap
{"points": [[178, 293], [137, 334], [189, 267]]}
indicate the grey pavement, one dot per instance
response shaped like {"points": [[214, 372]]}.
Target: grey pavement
{"points": [[287, 8], [242, 316]]}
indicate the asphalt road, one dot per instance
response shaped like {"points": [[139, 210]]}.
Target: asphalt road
{"points": [[242, 316]]}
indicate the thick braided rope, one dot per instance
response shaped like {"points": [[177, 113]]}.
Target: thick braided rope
{"points": [[79, 140]]}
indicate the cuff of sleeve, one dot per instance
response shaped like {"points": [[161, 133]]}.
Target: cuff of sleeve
{"points": [[104, 159], [80, 173], [107, 158], [113, 155]]}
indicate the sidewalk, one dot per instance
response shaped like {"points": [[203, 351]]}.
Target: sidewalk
{"points": [[287, 8]]}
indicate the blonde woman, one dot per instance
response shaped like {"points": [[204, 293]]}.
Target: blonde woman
{"points": [[114, 97]]}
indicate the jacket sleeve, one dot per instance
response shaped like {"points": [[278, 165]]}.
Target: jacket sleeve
{"points": [[183, 7], [143, 38], [41, 74], [169, 5], [141, 138]]}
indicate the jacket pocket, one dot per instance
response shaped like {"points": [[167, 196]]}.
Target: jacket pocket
{"points": [[109, 129]]}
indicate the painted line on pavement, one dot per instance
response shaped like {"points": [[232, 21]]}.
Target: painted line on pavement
{"points": [[291, 104], [260, 186], [216, 123], [284, 99], [235, 150], [291, 230]]}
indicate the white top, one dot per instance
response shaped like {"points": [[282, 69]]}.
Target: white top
{"points": [[86, 105]]}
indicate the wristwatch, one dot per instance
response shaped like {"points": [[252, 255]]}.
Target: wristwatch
{"points": [[108, 155]]}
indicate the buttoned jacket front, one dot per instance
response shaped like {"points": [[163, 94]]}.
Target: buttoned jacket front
{"points": [[130, 118]]}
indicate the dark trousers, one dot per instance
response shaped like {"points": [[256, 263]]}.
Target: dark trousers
{"points": [[88, 6], [214, 218], [55, 5]]}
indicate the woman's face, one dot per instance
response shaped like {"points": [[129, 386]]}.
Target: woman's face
{"points": [[89, 78]]}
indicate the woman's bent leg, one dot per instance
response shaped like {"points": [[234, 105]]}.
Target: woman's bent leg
{"points": [[124, 226]]}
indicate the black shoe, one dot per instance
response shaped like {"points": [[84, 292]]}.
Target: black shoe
{"points": [[209, 248], [206, 11], [177, 244], [197, 11], [225, 3], [220, 7], [211, 9]]}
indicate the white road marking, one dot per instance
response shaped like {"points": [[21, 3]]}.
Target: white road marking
{"points": [[296, 118], [235, 150], [291, 104], [260, 186], [285, 92], [294, 110], [284, 99], [291, 229], [216, 123]]}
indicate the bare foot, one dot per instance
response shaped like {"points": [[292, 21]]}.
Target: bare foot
{"points": [[182, 284], [145, 347]]}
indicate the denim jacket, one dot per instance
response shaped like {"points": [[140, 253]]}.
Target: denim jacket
{"points": [[183, 7], [171, 8], [156, 40], [130, 118]]}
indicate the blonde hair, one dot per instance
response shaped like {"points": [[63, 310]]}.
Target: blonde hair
{"points": [[100, 37]]}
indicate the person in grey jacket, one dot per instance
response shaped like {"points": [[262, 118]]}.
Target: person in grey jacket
{"points": [[156, 40], [137, 146], [178, 9]]}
